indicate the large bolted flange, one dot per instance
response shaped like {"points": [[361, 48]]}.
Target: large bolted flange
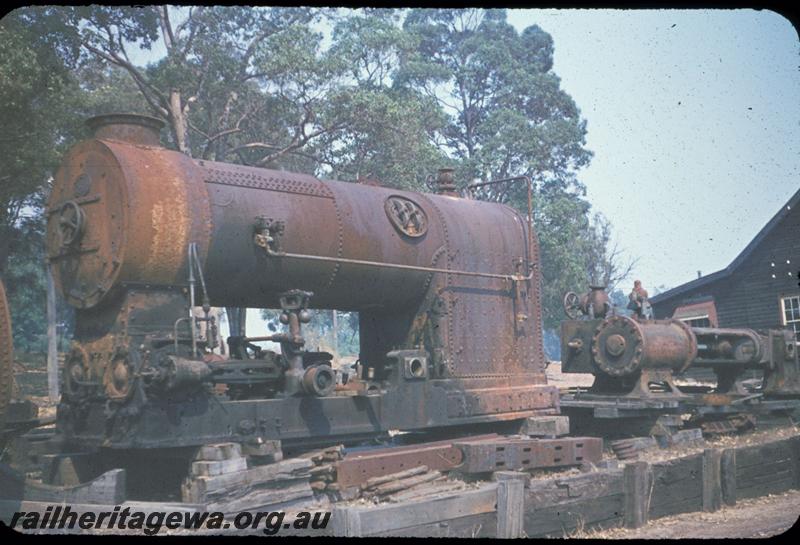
{"points": [[623, 347], [617, 346]]}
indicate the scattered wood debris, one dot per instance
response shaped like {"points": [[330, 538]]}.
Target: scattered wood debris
{"points": [[322, 474], [406, 485]]}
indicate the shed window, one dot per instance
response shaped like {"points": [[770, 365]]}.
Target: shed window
{"points": [[702, 314], [790, 311], [697, 321]]}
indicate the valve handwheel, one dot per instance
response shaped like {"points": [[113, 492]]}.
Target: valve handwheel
{"points": [[71, 223], [572, 305]]}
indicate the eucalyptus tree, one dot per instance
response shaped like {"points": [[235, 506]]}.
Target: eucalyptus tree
{"points": [[507, 116]]}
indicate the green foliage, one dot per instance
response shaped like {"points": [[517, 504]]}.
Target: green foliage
{"points": [[26, 285], [388, 96], [31, 87], [27, 289], [44, 99], [619, 301], [507, 116], [319, 332]]}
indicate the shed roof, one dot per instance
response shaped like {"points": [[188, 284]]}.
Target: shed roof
{"points": [[727, 271]]}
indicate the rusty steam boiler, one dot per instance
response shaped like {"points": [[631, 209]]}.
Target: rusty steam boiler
{"points": [[447, 290]]}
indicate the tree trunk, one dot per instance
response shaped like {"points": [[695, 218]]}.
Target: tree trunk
{"points": [[6, 236], [178, 122], [52, 340]]}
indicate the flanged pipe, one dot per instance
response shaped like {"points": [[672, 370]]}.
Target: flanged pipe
{"points": [[319, 380]]}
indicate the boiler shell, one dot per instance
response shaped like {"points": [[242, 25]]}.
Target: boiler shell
{"points": [[145, 204]]}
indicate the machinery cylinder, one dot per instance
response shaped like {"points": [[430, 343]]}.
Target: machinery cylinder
{"points": [[622, 346], [180, 372]]}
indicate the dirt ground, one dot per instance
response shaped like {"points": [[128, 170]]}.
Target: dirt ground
{"points": [[566, 380], [753, 518]]}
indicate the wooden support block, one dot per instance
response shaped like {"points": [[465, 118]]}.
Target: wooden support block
{"points": [[607, 464], [328, 454], [326, 469], [394, 517], [687, 438], [266, 452], [346, 521], [257, 460], [712, 486], [69, 468], [510, 503], [198, 489], [108, 488], [636, 483], [340, 493], [419, 492], [728, 476], [59, 470], [795, 450], [219, 452], [405, 484], [545, 426], [221, 467], [544, 493], [376, 481], [265, 448], [273, 497]]}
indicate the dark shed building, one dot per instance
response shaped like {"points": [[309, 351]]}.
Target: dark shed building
{"points": [[759, 289]]}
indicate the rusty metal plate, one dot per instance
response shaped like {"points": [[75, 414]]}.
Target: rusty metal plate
{"points": [[501, 400], [523, 454], [732, 424], [251, 177], [119, 212], [356, 468], [6, 355]]}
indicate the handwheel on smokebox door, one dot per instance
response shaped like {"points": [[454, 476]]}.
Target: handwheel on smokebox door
{"points": [[71, 223]]}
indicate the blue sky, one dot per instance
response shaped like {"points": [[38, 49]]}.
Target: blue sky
{"points": [[694, 120]]}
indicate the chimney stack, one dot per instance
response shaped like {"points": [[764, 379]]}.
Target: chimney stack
{"points": [[445, 182], [138, 129]]}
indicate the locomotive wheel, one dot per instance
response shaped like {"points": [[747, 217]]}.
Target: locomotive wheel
{"points": [[572, 305], [6, 356]]}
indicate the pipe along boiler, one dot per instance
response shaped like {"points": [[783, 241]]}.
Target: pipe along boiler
{"points": [[447, 291]]}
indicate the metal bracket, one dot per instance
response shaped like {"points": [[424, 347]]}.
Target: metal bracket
{"points": [[267, 234]]}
